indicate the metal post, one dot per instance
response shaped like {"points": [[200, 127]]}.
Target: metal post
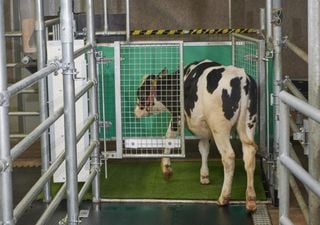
{"points": [[314, 96], [127, 20], [68, 71], [277, 46], [6, 200], [268, 23], [43, 97], [284, 151], [93, 95]]}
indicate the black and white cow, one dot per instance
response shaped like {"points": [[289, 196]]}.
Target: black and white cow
{"points": [[216, 98]]}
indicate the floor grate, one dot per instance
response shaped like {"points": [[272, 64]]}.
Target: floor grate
{"points": [[261, 216]]}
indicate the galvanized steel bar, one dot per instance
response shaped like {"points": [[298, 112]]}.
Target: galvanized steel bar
{"points": [[284, 220], [82, 50], [51, 22], [277, 79], [293, 89], [24, 113], [36, 188], [300, 105], [43, 94], [284, 148], [87, 185], [28, 81], [13, 34], [298, 51], [6, 199], [93, 95], [313, 97], [269, 23], [301, 174], [68, 72], [128, 20]]}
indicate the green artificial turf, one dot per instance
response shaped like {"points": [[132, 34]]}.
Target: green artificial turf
{"points": [[143, 179]]}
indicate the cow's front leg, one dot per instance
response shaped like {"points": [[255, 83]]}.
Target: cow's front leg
{"points": [[165, 162], [204, 147]]}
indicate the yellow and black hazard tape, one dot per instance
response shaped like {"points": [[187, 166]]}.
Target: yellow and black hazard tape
{"points": [[193, 31]]}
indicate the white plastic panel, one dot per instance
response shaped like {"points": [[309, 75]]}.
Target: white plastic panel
{"points": [[55, 89]]}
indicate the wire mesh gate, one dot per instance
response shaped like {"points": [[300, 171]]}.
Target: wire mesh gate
{"points": [[145, 137]]}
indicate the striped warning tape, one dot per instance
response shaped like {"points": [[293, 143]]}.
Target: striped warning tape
{"points": [[193, 31]]}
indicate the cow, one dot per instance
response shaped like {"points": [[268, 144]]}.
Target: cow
{"points": [[216, 98]]}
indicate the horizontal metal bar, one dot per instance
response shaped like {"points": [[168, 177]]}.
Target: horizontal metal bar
{"points": [[20, 65], [58, 198], [300, 105], [52, 206], [29, 91], [37, 187], [18, 136], [82, 50], [86, 185], [106, 33], [298, 51], [246, 38], [33, 78], [293, 89], [13, 34], [19, 148], [301, 174], [24, 113], [284, 220], [51, 22]]}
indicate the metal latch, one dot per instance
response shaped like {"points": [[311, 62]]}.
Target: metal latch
{"points": [[302, 136]]}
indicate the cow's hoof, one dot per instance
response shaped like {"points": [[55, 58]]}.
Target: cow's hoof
{"points": [[223, 201], [204, 179], [167, 172], [251, 204]]}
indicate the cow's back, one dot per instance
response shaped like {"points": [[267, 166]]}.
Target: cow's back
{"points": [[213, 94]]}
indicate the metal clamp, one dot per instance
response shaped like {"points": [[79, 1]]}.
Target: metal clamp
{"points": [[3, 165], [277, 15], [4, 99]]}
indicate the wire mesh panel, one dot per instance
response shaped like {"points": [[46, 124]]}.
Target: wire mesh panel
{"points": [[249, 53], [147, 136]]}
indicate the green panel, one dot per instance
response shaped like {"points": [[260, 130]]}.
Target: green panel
{"points": [[219, 53]]}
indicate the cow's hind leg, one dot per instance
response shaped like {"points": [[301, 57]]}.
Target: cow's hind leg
{"points": [[166, 162], [228, 160], [204, 147], [249, 151]]}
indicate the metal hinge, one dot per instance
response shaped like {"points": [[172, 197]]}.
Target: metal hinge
{"points": [[105, 124], [100, 59], [302, 136]]}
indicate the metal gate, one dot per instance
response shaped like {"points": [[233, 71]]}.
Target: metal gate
{"points": [[145, 137], [248, 53]]}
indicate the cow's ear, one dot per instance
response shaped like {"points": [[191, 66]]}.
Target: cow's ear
{"points": [[163, 73]]}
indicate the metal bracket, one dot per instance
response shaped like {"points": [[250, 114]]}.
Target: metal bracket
{"points": [[4, 99], [277, 16], [101, 59], [105, 124], [4, 165], [302, 136]]}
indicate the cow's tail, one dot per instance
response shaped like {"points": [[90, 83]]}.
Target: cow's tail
{"points": [[248, 110]]}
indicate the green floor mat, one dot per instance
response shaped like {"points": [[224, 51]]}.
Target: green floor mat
{"points": [[144, 180]]}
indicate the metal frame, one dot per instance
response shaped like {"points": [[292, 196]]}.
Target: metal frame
{"points": [[8, 215], [119, 153], [261, 80]]}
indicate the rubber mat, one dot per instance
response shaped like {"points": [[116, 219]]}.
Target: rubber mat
{"points": [[167, 214]]}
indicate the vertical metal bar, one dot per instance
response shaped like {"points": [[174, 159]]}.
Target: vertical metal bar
{"points": [[43, 97], [93, 95], [277, 46], [117, 83], [230, 14], [268, 22], [233, 39], [68, 69], [284, 151], [314, 96], [183, 152], [105, 15], [128, 20], [262, 79], [6, 199]]}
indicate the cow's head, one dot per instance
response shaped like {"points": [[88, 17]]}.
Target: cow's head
{"points": [[147, 102]]}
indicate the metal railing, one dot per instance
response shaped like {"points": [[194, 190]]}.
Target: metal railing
{"points": [[8, 215], [287, 164]]}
